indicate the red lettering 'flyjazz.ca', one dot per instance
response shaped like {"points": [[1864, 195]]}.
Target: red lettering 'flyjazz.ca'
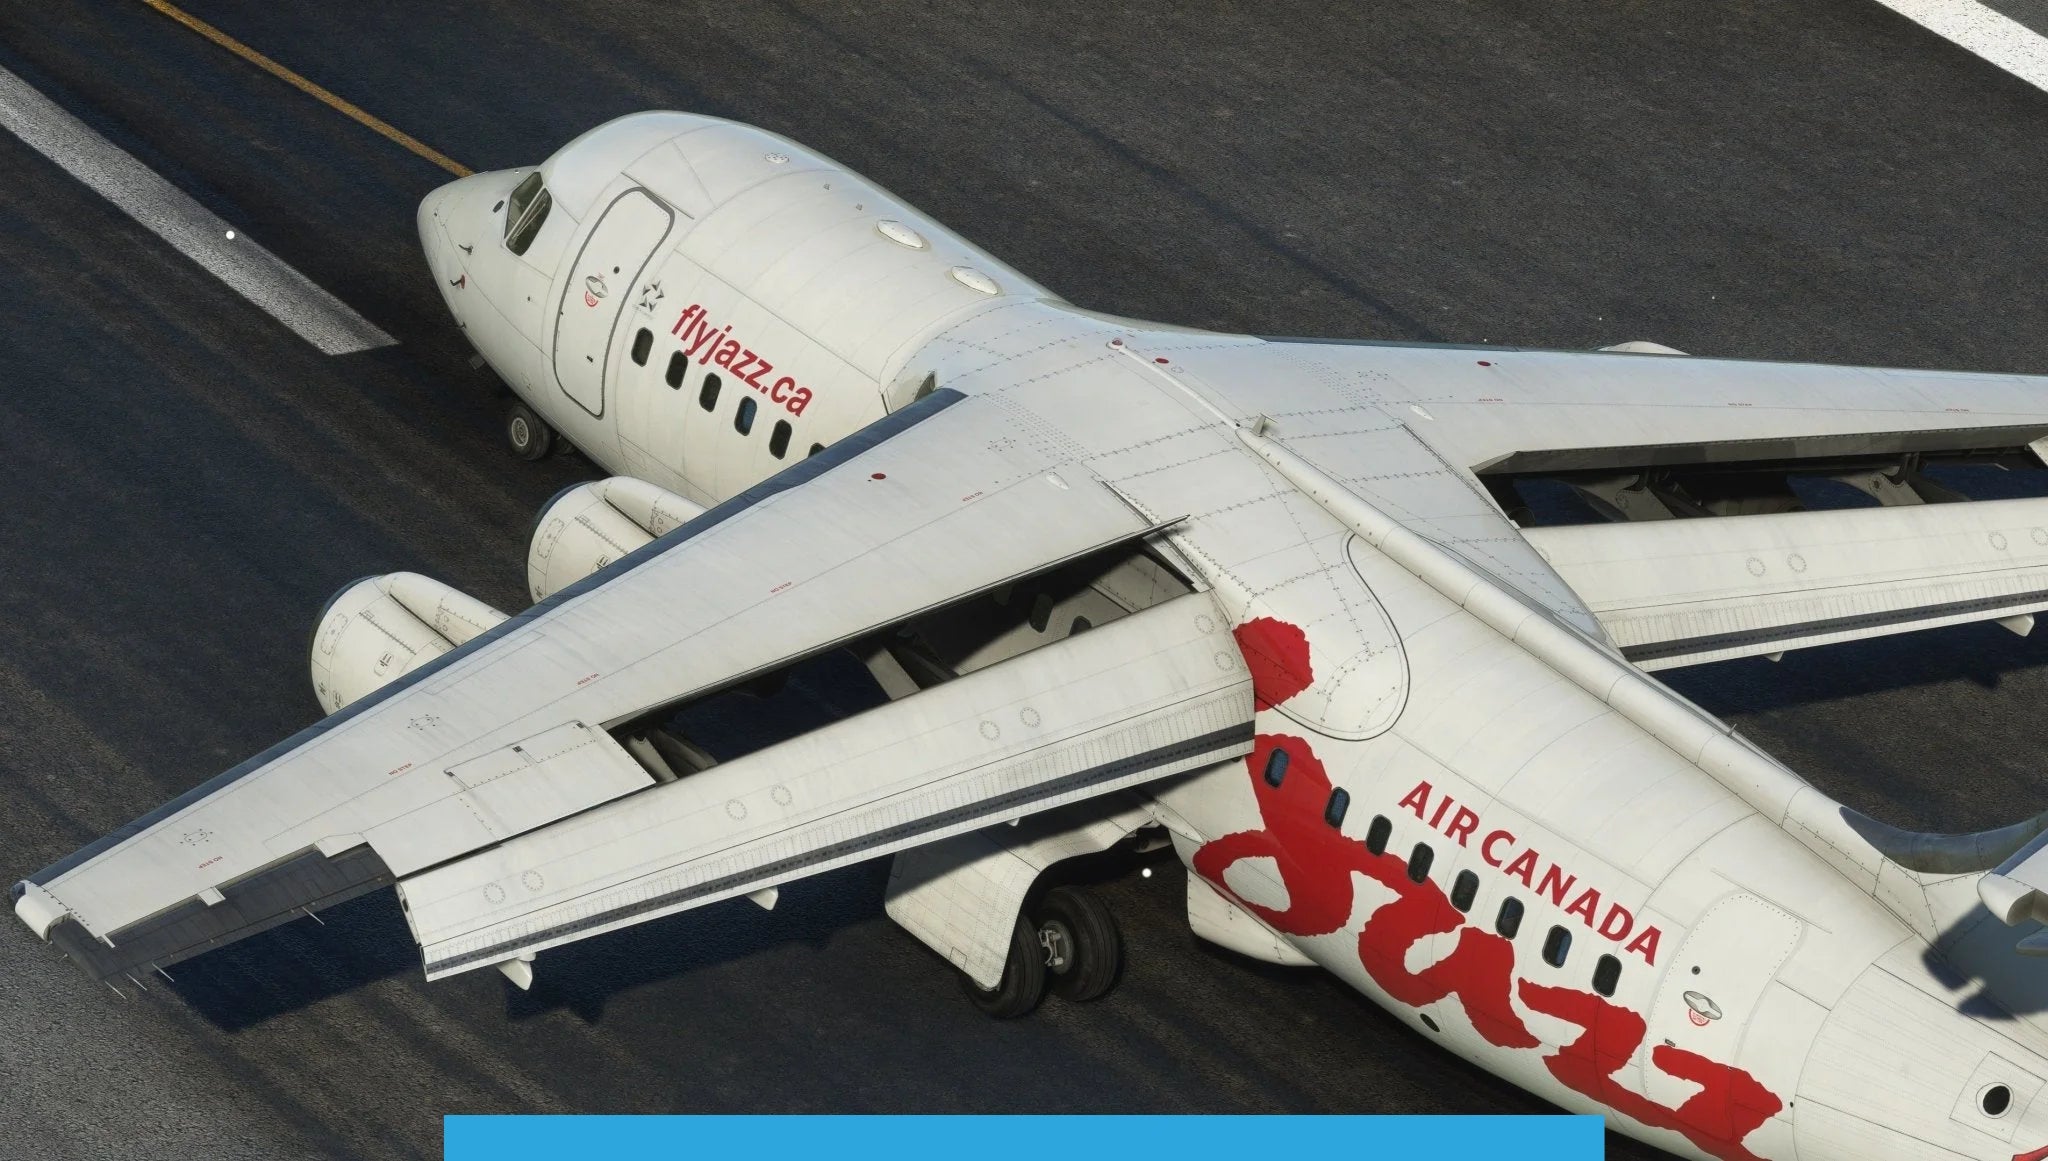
{"points": [[708, 343], [1499, 849]]}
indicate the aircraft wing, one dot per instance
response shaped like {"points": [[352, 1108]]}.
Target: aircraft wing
{"points": [[1672, 431], [508, 735], [1500, 411], [1681, 592]]}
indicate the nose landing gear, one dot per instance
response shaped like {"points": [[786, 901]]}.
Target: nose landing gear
{"points": [[527, 433], [1069, 945]]}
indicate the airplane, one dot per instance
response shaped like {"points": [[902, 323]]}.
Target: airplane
{"points": [[1365, 632]]}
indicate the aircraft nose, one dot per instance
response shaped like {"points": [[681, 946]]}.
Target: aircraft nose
{"points": [[429, 217], [1907, 1059]]}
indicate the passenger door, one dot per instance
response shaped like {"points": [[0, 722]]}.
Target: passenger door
{"points": [[604, 278]]}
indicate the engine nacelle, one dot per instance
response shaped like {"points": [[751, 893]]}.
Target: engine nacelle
{"points": [[382, 627], [589, 526]]}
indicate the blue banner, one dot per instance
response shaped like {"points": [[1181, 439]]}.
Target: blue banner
{"points": [[1023, 1138]]}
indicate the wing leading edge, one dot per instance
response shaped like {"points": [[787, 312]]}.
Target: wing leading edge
{"points": [[1677, 430]]}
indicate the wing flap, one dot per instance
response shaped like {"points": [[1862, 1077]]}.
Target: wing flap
{"points": [[1683, 592], [1157, 693]]}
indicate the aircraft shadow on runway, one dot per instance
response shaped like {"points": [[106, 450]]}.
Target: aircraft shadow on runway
{"points": [[1983, 655], [366, 940]]}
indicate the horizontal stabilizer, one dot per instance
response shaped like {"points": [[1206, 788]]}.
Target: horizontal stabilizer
{"points": [[1682, 592], [1160, 692]]}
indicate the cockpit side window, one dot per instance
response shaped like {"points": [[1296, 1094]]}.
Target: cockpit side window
{"points": [[525, 210], [522, 197]]}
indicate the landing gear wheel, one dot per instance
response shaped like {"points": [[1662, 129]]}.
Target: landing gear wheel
{"points": [[1083, 950], [528, 434], [1023, 983]]}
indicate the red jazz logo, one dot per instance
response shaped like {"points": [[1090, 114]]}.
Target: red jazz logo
{"points": [[1316, 863]]}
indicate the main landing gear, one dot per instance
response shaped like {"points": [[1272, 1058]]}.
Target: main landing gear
{"points": [[1067, 944], [528, 434]]}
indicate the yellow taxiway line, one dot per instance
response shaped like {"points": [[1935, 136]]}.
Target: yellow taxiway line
{"points": [[345, 108]]}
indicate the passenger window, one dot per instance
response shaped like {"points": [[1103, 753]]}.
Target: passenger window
{"points": [[1378, 833], [1509, 921], [743, 417], [1276, 766], [642, 343], [1418, 862], [525, 210], [815, 449], [1464, 890], [677, 364], [1340, 802], [707, 395], [1556, 946], [778, 443], [1606, 975]]}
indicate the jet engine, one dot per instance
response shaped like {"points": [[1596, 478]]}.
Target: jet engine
{"points": [[588, 526], [381, 627]]}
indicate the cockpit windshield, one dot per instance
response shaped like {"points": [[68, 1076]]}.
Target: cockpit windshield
{"points": [[525, 210]]}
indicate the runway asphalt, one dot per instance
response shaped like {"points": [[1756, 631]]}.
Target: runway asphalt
{"points": [[187, 481]]}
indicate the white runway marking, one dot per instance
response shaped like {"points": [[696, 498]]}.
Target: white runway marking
{"points": [[258, 275], [1992, 35]]}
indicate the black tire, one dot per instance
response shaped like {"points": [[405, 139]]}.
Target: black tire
{"points": [[528, 435], [1083, 949], [1023, 983]]}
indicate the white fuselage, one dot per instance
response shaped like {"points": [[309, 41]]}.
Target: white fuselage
{"points": [[1460, 828]]}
